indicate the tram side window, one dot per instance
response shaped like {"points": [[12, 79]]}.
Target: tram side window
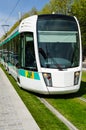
{"points": [[15, 50], [0, 51], [30, 61], [5, 53], [9, 55]]}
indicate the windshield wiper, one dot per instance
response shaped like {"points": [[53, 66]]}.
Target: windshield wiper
{"points": [[56, 64], [59, 67]]}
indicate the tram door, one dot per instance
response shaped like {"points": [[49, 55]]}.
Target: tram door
{"points": [[27, 53]]}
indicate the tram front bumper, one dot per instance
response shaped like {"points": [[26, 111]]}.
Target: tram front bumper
{"points": [[65, 90]]}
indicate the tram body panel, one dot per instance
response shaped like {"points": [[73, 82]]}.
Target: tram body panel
{"points": [[67, 81], [64, 90], [62, 79], [33, 85], [12, 70], [32, 81], [57, 54], [28, 24]]}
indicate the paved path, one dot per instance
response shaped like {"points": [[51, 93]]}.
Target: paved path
{"points": [[13, 113]]}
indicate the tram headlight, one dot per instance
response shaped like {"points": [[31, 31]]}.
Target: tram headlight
{"points": [[48, 79], [76, 77]]}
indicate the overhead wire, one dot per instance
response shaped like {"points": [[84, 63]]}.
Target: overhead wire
{"points": [[12, 10], [5, 21]]}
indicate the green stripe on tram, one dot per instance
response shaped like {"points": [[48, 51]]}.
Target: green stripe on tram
{"points": [[11, 37], [29, 74]]}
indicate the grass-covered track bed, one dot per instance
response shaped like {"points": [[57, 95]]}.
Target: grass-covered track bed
{"points": [[44, 118], [71, 106]]}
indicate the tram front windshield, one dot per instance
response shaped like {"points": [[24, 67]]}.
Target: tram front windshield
{"points": [[58, 42]]}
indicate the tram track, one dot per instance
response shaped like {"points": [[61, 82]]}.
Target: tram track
{"points": [[82, 99], [58, 114]]}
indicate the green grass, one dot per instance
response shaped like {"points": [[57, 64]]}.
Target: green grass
{"points": [[82, 91], [71, 106], [73, 109], [84, 76], [44, 118], [84, 83]]}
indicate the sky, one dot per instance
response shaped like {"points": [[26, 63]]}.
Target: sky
{"points": [[10, 10]]}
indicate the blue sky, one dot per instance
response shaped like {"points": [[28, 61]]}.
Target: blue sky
{"points": [[9, 11]]}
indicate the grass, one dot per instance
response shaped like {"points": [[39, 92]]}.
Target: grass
{"points": [[44, 118], [84, 76], [71, 107], [83, 84]]}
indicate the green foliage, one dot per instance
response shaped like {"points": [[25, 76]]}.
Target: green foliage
{"points": [[33, 11], [57, 6], [79, 10], [46, 9]]}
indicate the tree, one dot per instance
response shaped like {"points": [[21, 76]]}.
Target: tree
{"points": [[57, 6], [33, 11], [79, 10], [46, 9]]}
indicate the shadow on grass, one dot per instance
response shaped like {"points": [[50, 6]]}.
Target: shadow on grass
{"points": [[81, 92]]}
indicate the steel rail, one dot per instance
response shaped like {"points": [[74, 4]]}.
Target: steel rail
{"points": [[58, 114]]}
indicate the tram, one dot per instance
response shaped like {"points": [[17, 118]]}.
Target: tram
{"points": [[44, 54]]}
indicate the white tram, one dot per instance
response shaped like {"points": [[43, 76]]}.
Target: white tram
{"points": [[44, 54]]}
